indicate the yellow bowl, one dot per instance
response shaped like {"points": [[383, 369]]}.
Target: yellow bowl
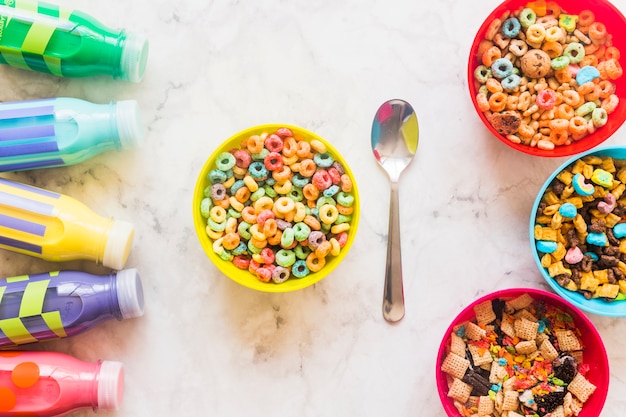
{"points": [[244, 277]]}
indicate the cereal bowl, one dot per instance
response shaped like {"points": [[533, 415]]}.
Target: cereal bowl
{"points": [[289, 208], [555, 118], [518, 363], [592, 274]]}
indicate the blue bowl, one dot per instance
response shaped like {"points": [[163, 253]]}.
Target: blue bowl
{"points": [[595, 306]]}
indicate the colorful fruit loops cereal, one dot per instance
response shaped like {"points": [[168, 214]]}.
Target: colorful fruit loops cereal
{"points": [[279, 206], [580, 228], [545, 77], [519, 357]]}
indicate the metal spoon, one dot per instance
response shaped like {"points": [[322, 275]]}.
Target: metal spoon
{"points": [[395, 135]]}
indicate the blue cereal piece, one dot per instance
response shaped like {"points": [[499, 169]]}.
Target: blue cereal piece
{"points": [[602, 177], [511, 27], [511, 82], [586, 74], [619, 230], [582, 187], [546, 246], [597, 239], [568, 210], [592, 255], [501, 68]]}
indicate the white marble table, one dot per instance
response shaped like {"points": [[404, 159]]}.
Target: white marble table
{"points": [[207, 346]]}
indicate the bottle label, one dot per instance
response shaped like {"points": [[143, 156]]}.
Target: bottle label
{"points": [[26, 28], [22, 310]]}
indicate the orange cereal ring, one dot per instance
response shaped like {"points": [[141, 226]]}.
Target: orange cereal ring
{"points": [[491, 55], [600, 52], [289, 147], [564, 111], [563, 75], [348, 210], [525, 131], [312, 222], [345, 183], [483, 45], [597, 31], [585, 88], [270, 227], [577, 125], [558, 124], [497, 102], [231, 240], [248, 215], [225, 203], [591, 48], [612, 53], [553, 49], [255, 144], [610, 103], [552, 8], [307, 167], [259, 243], [303, 149], [606, 88], [595, 94], [275, 238], [586, 18], [493, 29], [601, 67], [310, 192], [571, 97], [323, 249], [242, 195], [282, 174], [613, 69], [589, 61], [314, 262], [482, 102], [559, 137], [493, 85]]}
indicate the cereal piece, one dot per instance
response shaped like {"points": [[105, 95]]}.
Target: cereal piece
{"points": [[455, 365], [480, 355], [526, 329], [484, 312], [567, 340], [473, 331], [548, 351], [526, 347], [510, 402], [485, 406], [581, 387], [457, 344], [497, 373], [459, 390], [520, 302], [536, 63]]}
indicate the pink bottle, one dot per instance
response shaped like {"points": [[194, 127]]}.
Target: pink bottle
{"points": [[47, 384]]}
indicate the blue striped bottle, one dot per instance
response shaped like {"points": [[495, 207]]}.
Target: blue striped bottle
{"points": [[64, 131]]}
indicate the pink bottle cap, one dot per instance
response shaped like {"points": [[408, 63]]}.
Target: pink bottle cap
{"points": [[110, 385]]}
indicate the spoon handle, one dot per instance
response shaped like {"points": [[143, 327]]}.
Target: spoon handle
{"points": [[393, 299]]}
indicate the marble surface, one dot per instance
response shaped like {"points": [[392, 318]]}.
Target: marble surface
{"points": [[208, 346]]}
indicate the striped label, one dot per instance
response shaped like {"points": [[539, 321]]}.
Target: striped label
{"points": [[29, 313], [27, 200], [26, 131]]}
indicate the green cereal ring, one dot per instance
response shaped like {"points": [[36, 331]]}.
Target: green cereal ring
{"points": [[323, 160], [527, 17], [253, 249], [559, 62], [299, 181], [482, 73], [240, 249], [270, 191], [215, 226], [244, 230], [343, 218], [331, 191], [301, 251], [226, 255], [270, 181], [205, 207], [295, 194], [301, 231], [236, 186], [585, 109], [261, 155], [484, 90], [324, 200], [233, 213], [599, 117], [286, 239], [326, 226], [345, 199], [225, 161], [575, 51], [299, 269], [216, 176], [285, 258], [257, 194]]}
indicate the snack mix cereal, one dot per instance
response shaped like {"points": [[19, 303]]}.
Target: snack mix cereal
{"points": [[545, 77], [580, 228], [518, 357], [279, 206]]}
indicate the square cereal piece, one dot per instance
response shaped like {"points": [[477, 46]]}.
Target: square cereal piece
{"points": [[526, 329], [485, 406], [480, 355], [558, 412], [507, 325], [510, 402], [581, 387], [455, 365], [521, 301], [484, 312], [568, 341], [459, 391], [526, 347], [525, 314], [548, 351], [474, 331], [497, 373], [457, 344]]}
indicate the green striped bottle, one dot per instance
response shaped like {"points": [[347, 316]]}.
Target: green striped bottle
{"points": [[67, 43]]}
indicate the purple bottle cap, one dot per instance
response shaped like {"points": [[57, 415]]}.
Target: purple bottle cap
{"points": [[129, 293], [110, 385]]}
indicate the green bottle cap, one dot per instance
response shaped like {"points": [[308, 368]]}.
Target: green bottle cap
{"points": [[134, 57]]}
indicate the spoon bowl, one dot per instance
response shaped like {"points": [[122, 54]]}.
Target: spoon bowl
{"points": [[395, 134]]}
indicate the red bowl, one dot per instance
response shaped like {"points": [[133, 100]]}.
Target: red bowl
{"points": [[594, 351], [615, 24]]}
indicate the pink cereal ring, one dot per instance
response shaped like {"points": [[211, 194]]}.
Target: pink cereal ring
{"points": [[274, 143], [284, 132], [342, 238], [267, 255], [263, 216], [546, 99], [273, 161], [243, 159], [253, 266], [264, 274], [241, 262], [322, 180], [335, 175]]}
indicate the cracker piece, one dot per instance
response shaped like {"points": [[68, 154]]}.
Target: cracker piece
{"points": [[499, 400], [548, 351], [526, 347], [581, 387], [455, 365], [473, 331], [507, 325], [457, 344], [485, 406], [497, 373], [508, 384], [568, 341], [526, 315], [541, 337], [520, 302], [460, 391], [484, 312], [510, 402], [558, 412], [480, 355], [526, 329]]}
